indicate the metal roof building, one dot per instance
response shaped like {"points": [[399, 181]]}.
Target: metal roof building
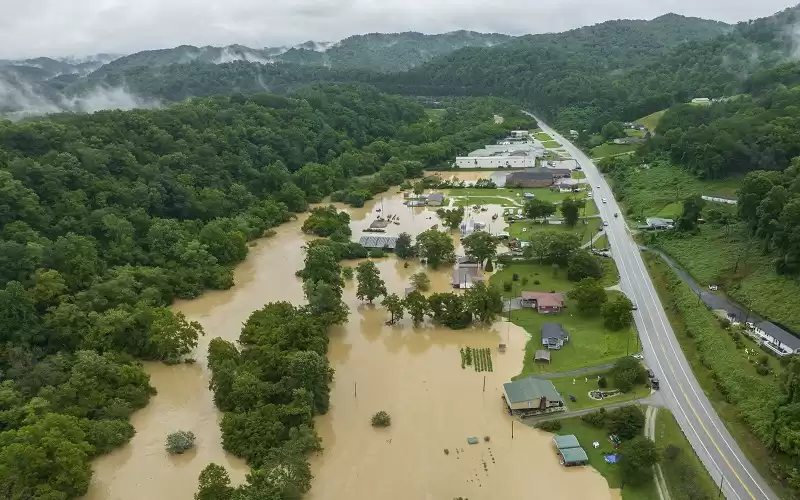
{"points": [[387, 242]]}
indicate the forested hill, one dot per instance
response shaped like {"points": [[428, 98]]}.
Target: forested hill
{"points": [[585, 82], [106, 218]]}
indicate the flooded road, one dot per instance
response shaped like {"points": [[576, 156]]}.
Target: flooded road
{"points": [[412, 373]]}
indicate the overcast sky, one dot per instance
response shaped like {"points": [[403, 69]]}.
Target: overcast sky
{"points": [[78, 27]]}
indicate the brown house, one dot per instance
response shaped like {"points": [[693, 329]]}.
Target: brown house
{"points": [[544, 303]]}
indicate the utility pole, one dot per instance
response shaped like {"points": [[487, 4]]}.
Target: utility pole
{"points": [[484, 383], [512, 429], [721, 482], [355, 389]]}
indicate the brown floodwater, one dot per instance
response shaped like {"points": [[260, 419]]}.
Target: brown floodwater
{"points": [[412, 373]]}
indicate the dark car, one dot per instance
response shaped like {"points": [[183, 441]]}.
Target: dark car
{"points": [[650, 373], [654, 383]]}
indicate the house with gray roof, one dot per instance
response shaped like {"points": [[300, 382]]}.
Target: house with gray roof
{"points": [[554, 336], [531, 395]]}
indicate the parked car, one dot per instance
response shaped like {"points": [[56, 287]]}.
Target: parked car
{"points": [[654, 383], [638, 356], [650, 373], [713, 288]]}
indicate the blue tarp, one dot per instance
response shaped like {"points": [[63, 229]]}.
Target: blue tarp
{"points": [[612, 459]]}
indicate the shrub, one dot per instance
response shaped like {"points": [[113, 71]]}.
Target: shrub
{"points": [[507, 286], [596, 418], [381, 419], [537, 282], [347, 272], [602, 383], [524, 281], [377, 253], [549, 425], [180, 441], [762, 370]]}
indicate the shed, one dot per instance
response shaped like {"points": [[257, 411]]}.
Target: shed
{"points": [[542, 355], [573, 456], [567, 441]]}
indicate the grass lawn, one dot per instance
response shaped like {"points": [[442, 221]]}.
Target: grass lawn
{"points": [[584, 231], [601, 242], [711, 348], [542, 136], [585, 383], [484, 200], [687, 470], [577, 174], [590, 343], [586, 435], [651, 121], [630, 132], [662, 189], [551, 144], [609, 149], [610, 271], [529, 274]]}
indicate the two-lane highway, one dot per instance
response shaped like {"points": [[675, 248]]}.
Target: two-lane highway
{"points": [[685, 398]]}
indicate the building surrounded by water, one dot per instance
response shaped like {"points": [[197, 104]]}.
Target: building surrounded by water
{"points": [[531, 396], [378, 242]]}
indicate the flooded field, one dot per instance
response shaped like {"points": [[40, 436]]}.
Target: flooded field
{"points": [[412, 373]]}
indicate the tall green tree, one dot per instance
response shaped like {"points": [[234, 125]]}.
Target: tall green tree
{"points": [[480, 245], [436, 247], [417, 306], [583, 264], [484, 302], [370, 284], [618, 313], [589, 295], [451, 217], [637, 459], [403, 247], [538, 209], [395, 306], [571, 210]]}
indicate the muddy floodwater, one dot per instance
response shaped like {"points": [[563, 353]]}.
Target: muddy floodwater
{"points": [[412, 373]]}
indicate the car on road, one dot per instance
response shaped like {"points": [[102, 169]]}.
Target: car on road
{"points": [[633, 306], [605, 223], [604, 200], [638, 356], [598, 186], [654, 383], [616, 214], [650, 373]]}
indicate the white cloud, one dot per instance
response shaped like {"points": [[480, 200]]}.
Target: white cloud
{"points": [[74, 27]]}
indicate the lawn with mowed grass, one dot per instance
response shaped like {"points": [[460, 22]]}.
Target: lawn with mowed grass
{"points": [[651, 121], [590, 342], [683, 473], [485, 200], [551, 144], [528, 275], [610, 149], [583, 384], [542, 136], [585, 229], [577, 174], [586, 435]]}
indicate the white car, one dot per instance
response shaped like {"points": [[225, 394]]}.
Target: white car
{"points": [[713, 288], [604, 200], [638, 356], [605, 223], [524, 229], [598, 186]]}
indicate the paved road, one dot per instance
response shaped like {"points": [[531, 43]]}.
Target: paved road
{"points": [[683, 395]]}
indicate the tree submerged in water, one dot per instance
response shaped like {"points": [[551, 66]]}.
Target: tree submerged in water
{"points": [[180, 442], [381, 419]]}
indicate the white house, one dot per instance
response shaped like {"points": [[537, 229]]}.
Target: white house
{"points": [[703, 101], [520, 134]]}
